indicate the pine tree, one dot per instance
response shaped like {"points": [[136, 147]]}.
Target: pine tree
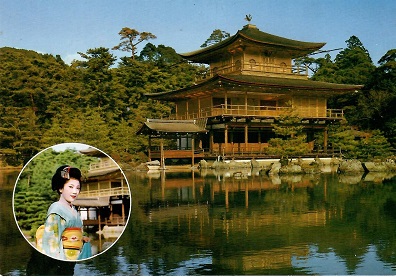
{"points": [[291, 140], [373, 145]]}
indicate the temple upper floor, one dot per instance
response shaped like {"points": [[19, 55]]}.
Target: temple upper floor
{"points": [[254, 63], [253, 52]]}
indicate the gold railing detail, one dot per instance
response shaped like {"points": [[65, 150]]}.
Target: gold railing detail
{"points": [[260, 111]]}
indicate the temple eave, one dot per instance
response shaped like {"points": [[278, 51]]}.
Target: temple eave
{"points": [[255, 84]]}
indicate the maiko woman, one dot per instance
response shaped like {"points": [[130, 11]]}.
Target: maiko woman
{"points": [[62, 235]]}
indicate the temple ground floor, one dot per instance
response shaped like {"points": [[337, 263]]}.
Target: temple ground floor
{"points": [[232, 140]]}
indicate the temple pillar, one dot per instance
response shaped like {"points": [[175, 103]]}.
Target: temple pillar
{"points": [[232, 140], [211, 142], [325, 139], [225, 101], [192, 150], [123, 211], [162, 166], [193, 184], [246, 137], [162, 174], [246, 103], [225, 137], [226, 200], [149, 149], [199, 108], [246, 194], [259, 139]]}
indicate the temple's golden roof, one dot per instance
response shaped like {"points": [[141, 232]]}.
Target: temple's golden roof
{"points": [[251, 35], [258, 84]]}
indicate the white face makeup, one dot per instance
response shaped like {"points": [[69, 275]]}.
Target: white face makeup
{"points": [[70, 190]]}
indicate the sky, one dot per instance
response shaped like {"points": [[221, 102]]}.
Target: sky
{"points": [[67, 27], [72, 146]]}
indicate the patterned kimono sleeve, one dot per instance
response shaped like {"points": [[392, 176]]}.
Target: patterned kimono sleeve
{"points": [[52, 236]]}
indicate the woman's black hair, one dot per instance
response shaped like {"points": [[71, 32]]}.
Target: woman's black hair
{"points": [[63, 174]]}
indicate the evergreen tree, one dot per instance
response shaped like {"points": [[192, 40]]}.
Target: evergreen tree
{"points": [[343, 138], [97, 77], [325, 69], [95, 130], [126, 145], [19, 135], [160, 56], [216, 37], [55, 134], [89, 127], [291, 140], [354, 64], [130, 38], [28, 80], [376, 105], [374, 146]]}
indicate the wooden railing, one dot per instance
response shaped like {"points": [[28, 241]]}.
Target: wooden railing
{"points": [[259, 69], [105, 192], [229, 152], [263, 111], [335, 113], [116, 220]]}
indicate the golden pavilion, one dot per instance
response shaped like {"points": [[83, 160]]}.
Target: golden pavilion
{"points": [[252, 79]]}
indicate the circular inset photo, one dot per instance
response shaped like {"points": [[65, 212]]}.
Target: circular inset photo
{"points": [[71, 201]]}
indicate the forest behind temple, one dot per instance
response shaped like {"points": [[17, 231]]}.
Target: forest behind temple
{"points": [[100, 99]]}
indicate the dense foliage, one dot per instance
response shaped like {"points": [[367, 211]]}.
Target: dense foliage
{"points": [[44, 101], [371, 110], [101, 101]]}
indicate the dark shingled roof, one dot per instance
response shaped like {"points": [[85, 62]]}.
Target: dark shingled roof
{"points": [[103, 171], [92, 152], [170, 126], [250, 33]]}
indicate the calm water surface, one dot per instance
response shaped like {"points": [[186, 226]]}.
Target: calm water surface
{"points": [[222, 223]]}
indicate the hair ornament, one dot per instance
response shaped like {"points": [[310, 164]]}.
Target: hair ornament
{"points": [[65, 173]]}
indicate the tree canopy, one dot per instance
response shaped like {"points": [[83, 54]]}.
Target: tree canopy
{"points": [[45, 102], [371, 108]]}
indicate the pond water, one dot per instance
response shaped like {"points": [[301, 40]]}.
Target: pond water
{"points": [[235, 223]]}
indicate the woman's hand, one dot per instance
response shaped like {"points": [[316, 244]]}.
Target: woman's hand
{"points": [[86, 239]]}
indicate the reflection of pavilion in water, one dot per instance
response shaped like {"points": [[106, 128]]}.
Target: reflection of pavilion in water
{"points": [[192, 187], [231, 198]]}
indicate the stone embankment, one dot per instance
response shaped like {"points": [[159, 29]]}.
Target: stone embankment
{"points": [[303, 166], [347, 166]]}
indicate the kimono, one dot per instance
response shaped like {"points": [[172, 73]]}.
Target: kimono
{"points": [[62, 234]]}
